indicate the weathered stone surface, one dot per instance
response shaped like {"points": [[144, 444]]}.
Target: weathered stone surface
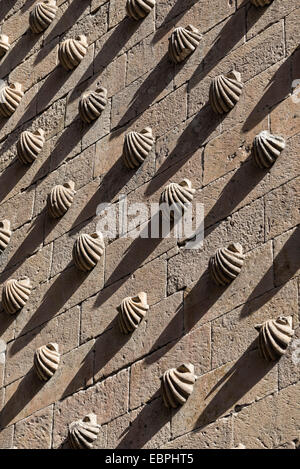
{"points": [[28, 395], [281, 208], [162, 324], [214, 436], [193, 348], [289, 372], [99, 313], [62, 292], [279, 424], [147, 427], [107, 400], [36, 267], [6, 438], [187, 267], [35, 431], [223, 390], [238, 326], [286, 262], [63, 330], [204, 301], [190, 319], [20, 212], [25, 242]]}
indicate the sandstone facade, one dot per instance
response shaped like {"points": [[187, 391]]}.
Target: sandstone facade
{"points": [[239, 399]]}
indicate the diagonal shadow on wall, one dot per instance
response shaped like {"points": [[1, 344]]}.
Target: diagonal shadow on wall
{"points": [[229, 36], [278, 89], [172, 17], [289, 249], [61, 290], [27, 389], [237, 382]]}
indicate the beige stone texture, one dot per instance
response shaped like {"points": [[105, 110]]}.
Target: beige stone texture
{"points": [[144, 428], [239, 401], [63, 329], [193, 348], [27, 395], [107, 400], [225, 390], [35, 431], [214, 436], [278, 426]]}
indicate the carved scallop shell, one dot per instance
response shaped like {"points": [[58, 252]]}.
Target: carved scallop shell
{"points": [[87, 251], [274, 337], [183, 42], [83, 433], [46, 361], [30, 145], [176, 198], [4, 44], [5, 234], [137, 146], [225, 91], [226, 264], [177, 385], [60, 199], [132, 311], [267, 148], [42, 15], [138, 9], [72, 51], [10, 98], [92, 104], [261, 3], [15, 294]]}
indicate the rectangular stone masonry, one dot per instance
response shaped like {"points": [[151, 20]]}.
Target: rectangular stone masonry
{"points": [[107, 400], [238, 326], [225, 390], [99, 312], [28, 395], [63, 330], [279, 425], [35, 431], [163, 323], [146, 374], [134, 431], [205, 301]]}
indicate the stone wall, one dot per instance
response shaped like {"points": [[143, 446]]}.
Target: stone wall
{"points": [[239, 399]]}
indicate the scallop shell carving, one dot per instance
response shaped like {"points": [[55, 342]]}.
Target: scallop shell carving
{"points": [[261, 3], [30, 145], [226, 264], [15, 294], [92, 104], [225, 91], [4, 44], [83, 433], [5, 234], [87, 251], [177, 385], [267, 148], [42, 15], [10, 98], [183, 42], [132, 311], [46, 361], [137, 146], [60, 199], [72, 51], [274, 337], [138, 9], [176, 198]]}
